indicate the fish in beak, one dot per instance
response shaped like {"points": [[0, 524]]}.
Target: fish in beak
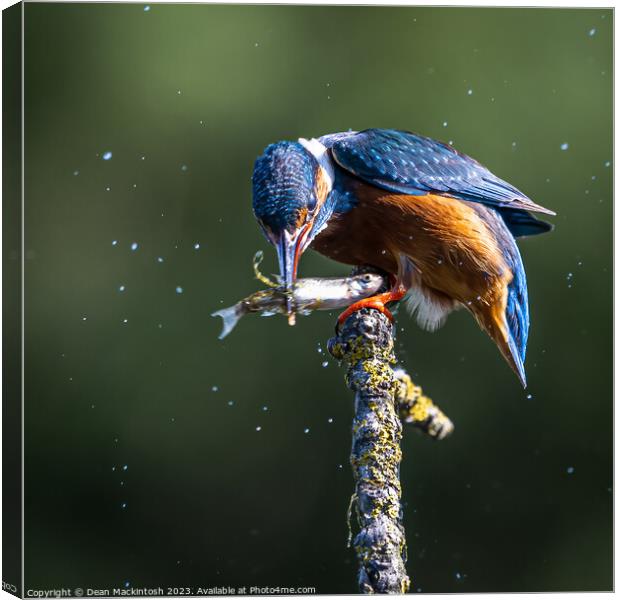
{"points": [[290, 246]]}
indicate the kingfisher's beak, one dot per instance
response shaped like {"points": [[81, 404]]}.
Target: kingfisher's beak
{"points": [[290, 247]]}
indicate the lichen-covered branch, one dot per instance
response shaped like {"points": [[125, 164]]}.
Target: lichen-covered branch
{"points": [[419, 410], [365, 344]]}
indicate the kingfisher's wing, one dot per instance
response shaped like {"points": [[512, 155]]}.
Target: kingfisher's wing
{"points": [[407, 163]]}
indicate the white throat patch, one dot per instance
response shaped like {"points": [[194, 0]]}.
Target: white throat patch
{"points": [[319, 151]]}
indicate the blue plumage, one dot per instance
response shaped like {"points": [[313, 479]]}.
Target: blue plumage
{"points": [[283, 183], [408, 163], [521, 223], [518, 319], [517, 309]]}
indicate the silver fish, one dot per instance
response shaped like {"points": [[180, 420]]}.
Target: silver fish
{"points": [[307, 295]]}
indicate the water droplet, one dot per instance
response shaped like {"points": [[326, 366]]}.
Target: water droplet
{"points": [[564, 146], [529, 396], [307, 430], [160, 259], [134, 246], [107, 189], [114, 242], [125, 467], [84, 318], [258, 428], [324, 364], [215, 388], [143, 157], [147, 8], [124, 320], [127, 582], [445, 123], [75, 173], [179, 92], [470, 92], [159, 325], [608, 163], [264, 409], [124, 505], [592, 32], [184, 167], [179, 289], [121, 288], [570, 470], [330, 420], [107, 155], [230, 402], [196, 246]]}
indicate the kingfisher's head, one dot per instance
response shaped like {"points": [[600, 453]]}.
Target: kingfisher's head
{"points": [[291, 185]]}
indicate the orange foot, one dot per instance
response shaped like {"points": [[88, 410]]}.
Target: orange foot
{"points": [[377, 302]]}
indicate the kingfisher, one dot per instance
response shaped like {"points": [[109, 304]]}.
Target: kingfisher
{"points": [[439, 223]]}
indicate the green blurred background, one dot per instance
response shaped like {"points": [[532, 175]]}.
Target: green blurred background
{"points": [[144, 463]]}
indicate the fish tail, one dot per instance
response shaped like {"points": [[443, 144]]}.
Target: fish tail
{"points": [[230, 317]]}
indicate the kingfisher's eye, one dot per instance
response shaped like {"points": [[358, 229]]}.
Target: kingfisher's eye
{"points": [[311, 203]]}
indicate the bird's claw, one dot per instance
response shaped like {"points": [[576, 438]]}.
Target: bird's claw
{"points": [[372, 302], [377, 302]]}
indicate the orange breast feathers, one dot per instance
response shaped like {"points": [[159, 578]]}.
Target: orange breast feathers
{"points": [[446, 250], [451, 243]]}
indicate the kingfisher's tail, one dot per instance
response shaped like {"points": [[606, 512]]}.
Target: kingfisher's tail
{"points": [[508, 320], [499, 330]]}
